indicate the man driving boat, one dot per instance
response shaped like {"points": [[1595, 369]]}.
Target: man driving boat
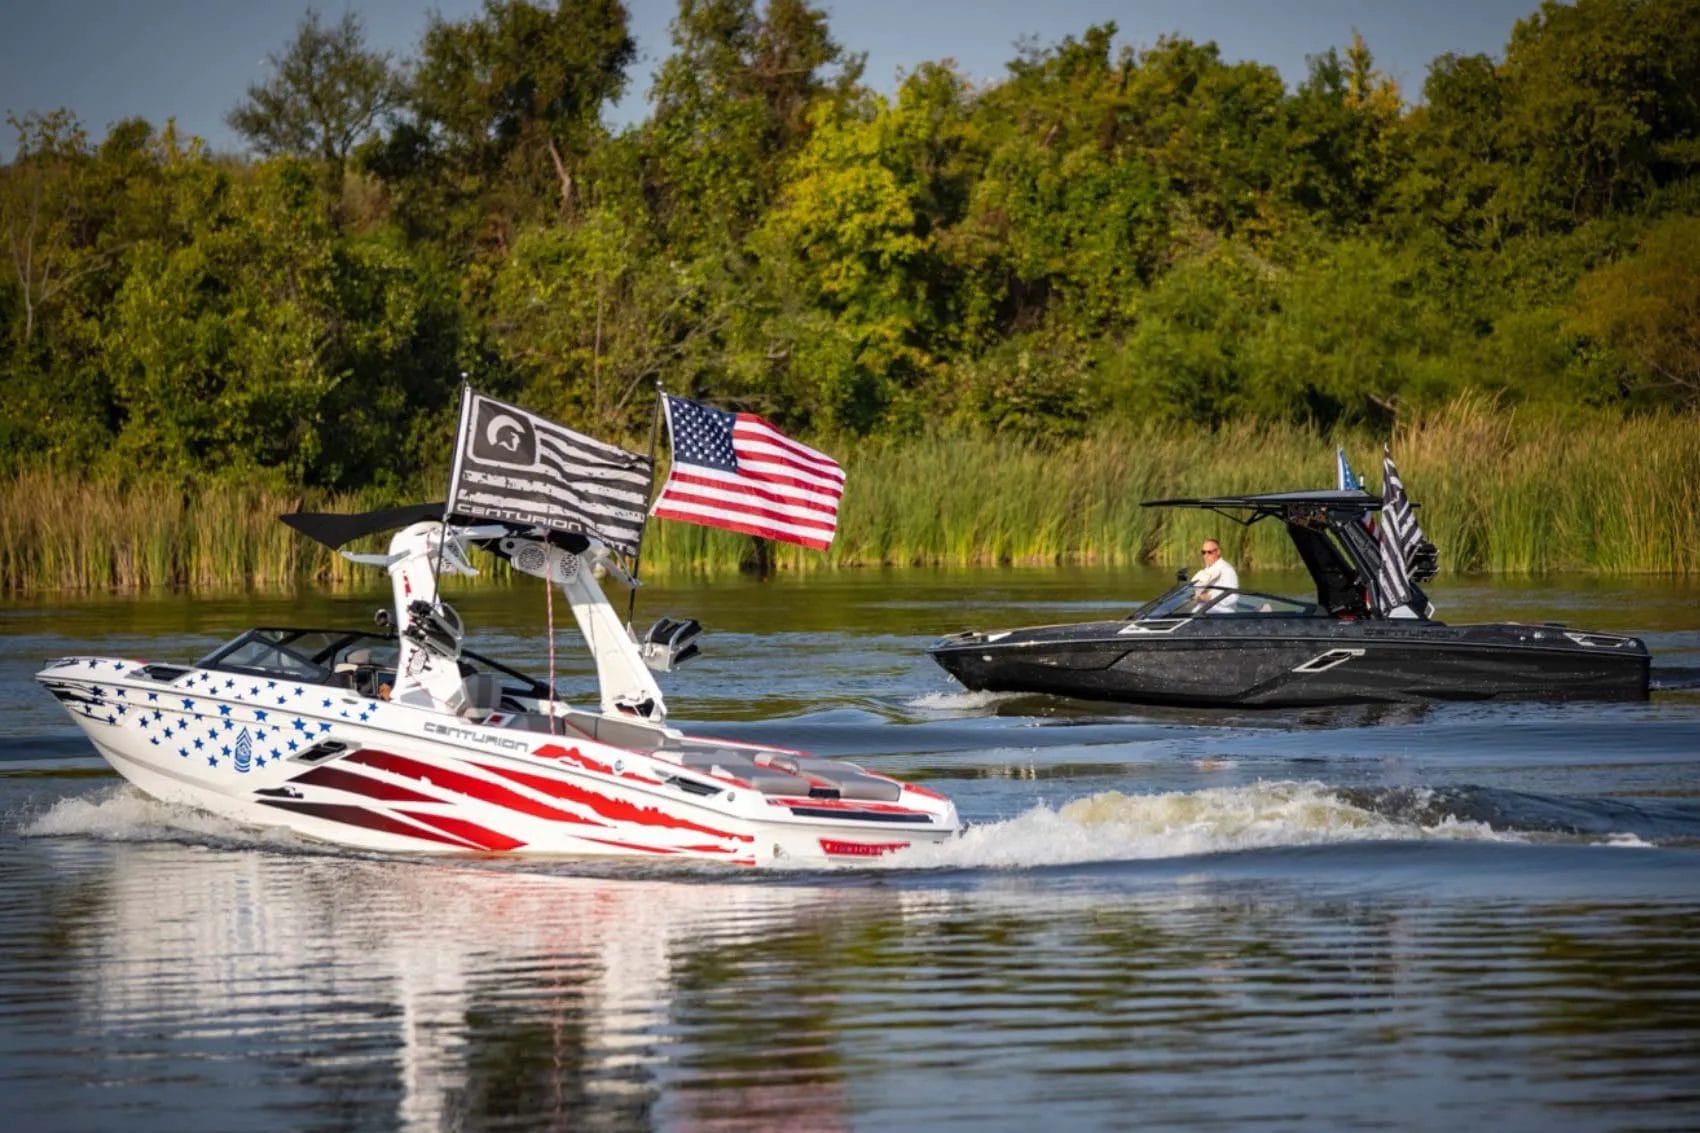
{"points": [[1216, 582]]}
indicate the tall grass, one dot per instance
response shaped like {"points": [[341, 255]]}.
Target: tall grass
{"points": [[1498, 492]]}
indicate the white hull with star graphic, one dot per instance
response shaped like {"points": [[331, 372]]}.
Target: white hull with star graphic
{"points": [[407, 742], [335, 766]]}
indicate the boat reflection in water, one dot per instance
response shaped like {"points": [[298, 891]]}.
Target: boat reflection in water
{"points": [[469, 994]]}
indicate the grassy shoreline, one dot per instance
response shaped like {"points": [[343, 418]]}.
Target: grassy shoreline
{"points": [[1498, 493]]}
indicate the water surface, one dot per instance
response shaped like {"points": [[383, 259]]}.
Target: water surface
{"points": [[1388, 917]]}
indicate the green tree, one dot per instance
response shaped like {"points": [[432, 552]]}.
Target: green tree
{"points": [[1646, 308], [326, 94], [510, 100]]}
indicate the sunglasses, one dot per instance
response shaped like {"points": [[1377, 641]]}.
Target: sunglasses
{"points": [[1209, 551]]}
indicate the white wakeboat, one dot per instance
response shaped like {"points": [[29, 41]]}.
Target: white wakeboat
{"points": [[402, 740]]}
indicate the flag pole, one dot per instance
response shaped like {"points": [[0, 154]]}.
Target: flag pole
{"points": [[454, 479], [637, 555]]}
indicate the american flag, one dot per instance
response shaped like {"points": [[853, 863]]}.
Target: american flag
{"points": [[516, 467], [1345, 479], [1400, 538], [1349, 481], [734, 470]]}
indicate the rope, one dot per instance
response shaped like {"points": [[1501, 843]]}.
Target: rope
{"points": [[549, 602]]}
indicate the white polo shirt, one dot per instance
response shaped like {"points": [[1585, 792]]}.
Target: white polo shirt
{"points": [[1221, 574]]}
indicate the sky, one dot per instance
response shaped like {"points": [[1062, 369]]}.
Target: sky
{"points": [[193, 60]]}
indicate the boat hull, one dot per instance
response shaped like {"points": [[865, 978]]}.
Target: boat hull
{"points": [[381, 776], [1298, 662]]}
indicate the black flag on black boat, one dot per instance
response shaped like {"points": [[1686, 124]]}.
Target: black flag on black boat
{"points": [[1400, 539], [517, 467]]}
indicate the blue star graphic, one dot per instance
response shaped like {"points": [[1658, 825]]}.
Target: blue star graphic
{"points": [[224, 710], [198, 743], [225, 750], [184, 752], [293, 745], [260, 714], [153, 696], [212, 761], [188, 704]]}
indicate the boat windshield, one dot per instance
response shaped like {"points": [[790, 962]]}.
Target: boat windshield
{"points": [[316, 656], [1186, 601]]}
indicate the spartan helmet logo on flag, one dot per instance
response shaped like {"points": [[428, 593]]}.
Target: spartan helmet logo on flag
{"points": [[500, 437]]}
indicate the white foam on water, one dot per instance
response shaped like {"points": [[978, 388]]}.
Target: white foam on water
{"points": [[961, 701], [1112, 826]]}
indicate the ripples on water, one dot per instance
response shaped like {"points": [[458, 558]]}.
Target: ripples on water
{"points": [[1468, 916]]}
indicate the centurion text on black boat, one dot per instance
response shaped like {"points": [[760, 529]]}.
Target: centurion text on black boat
{"points": [[404, 740], [1368, 635]]}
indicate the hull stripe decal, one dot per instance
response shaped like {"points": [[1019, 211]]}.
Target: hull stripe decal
{"points": [[360, 816], [616, 809], [468, 785], [629, 845], [471, 831], [574, 755], [339, 780]]}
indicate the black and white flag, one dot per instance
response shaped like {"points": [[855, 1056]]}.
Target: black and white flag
{"points": [[516, 467], [1399, 537]]}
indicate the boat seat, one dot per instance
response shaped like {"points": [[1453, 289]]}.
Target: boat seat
{"points": [[482, 693]]}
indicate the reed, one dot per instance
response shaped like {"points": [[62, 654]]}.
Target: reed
{"points": [[1500, 492]]}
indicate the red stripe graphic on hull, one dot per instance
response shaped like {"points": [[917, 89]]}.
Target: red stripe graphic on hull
{"points": [[340, 780], [370, 819], [629, 845], [468, 785], [574, 755], [616, 809], [471, 831]]}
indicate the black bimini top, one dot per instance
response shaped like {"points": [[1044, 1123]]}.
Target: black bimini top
{"points": [[334, 529], [1279, 503]]}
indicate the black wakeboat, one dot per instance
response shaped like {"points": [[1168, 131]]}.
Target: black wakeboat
{"points": [[1353, 643]]}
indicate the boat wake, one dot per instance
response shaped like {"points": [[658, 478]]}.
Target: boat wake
{"points": [[960, 701], [125, 814], [1106, 827], [1112, 826]]}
